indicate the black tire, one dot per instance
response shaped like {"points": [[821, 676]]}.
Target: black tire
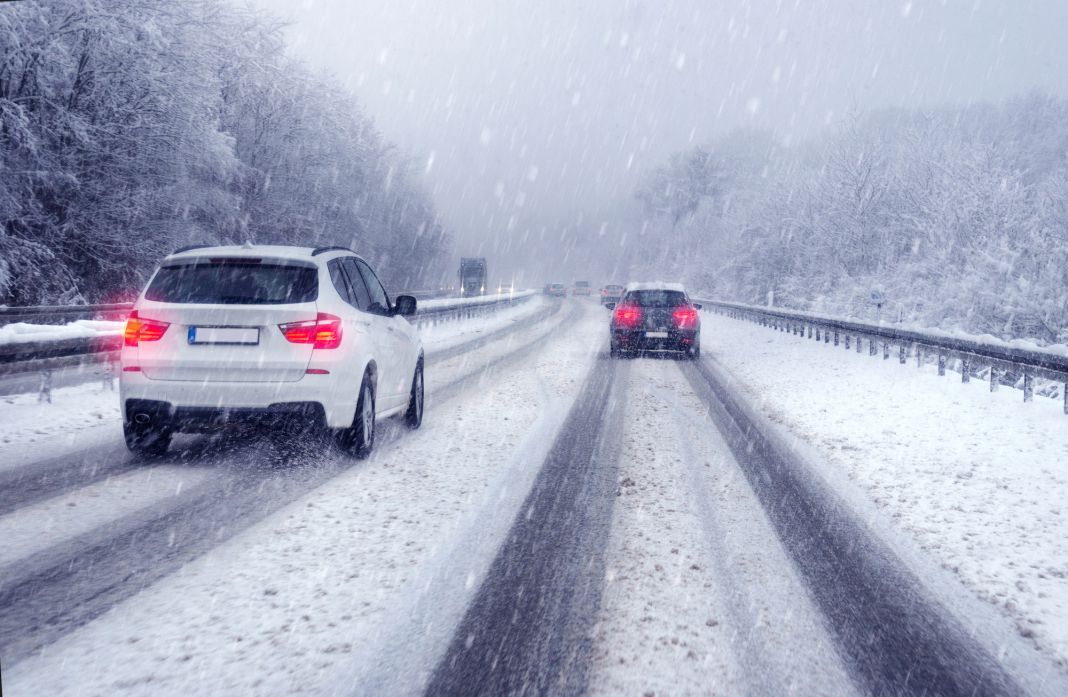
{"points": [[359, 438], [146, 441], [413, 418]]}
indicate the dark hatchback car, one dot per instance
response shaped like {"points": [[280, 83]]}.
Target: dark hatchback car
{"points": [[655, 317]]}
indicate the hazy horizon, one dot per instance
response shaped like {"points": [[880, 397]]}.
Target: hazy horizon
{"points": [[534, 122]]}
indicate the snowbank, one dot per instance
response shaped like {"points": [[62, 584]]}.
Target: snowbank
{"points": [[23, 333]]}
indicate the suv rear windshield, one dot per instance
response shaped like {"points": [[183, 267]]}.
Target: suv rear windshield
{"points": [[234, 283], [657, 298]]}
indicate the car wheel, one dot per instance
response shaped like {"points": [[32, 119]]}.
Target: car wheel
{"points": [[146, 441], [414, 416], [359, 438]]}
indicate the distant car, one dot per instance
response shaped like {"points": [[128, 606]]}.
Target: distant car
{"points": [[268, 334], [557, 290], [581, 288], [611, 293], [655, 317]]}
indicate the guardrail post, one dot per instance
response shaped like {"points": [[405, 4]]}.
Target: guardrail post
{"points": [[919, 356], [965, 370], [1029, 386], [941, 364], [45, 393], [993, 378], [903, 356], [873, 347], [810, 331], [846, 342], [1066, 398], [826, 336], [886, 350], [835, 337], [107, 379]]}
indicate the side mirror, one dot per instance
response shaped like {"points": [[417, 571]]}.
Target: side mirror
{"points": [[610, 306], [697, 306], [404, 305]]}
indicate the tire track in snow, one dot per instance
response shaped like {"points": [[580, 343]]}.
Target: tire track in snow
{"points": [[528, 629], [895, 639]]}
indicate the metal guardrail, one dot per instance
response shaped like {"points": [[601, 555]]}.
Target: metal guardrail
{"points": [[1004, 365], [48, 355]]}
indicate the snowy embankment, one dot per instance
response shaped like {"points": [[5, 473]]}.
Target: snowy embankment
{"points": [[24, 333], [361, 581], [975, 479], [89, 413]]}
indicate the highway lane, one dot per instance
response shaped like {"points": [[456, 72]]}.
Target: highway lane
{"points": [[527, 630], [68, 584], [804, 599]]}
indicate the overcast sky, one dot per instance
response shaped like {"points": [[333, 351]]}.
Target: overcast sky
{"points": [[535, 118]]}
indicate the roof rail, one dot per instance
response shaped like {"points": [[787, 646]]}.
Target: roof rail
{"points": [[191, 247], [322, 250]]}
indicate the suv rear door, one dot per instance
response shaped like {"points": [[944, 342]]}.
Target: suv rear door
{"points": [[399, 336], [223, 316]]}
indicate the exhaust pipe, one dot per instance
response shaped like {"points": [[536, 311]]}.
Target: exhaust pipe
{"points": [[142, 418]]}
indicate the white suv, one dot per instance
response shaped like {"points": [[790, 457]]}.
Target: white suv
{"points": [[226, 335]]}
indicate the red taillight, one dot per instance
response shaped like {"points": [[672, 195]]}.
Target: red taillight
{"points": [[140, 329], [628, 316], [685, 317], [324, 332]]}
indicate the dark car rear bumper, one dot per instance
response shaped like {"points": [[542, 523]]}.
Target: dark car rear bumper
{"points": [[636, 340]]}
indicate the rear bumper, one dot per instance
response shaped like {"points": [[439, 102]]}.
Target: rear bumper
{"points": [[206, 419], [216, 404], [635, 340]]}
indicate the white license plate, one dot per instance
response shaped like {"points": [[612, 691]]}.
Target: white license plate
{"points": [[224, 335], [656, 335]]}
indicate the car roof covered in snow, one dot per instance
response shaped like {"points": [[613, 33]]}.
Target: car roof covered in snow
{"points": [[655, 285], [269, 251]]}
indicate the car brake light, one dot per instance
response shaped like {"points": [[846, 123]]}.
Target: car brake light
{"points": [[628, 316], [324, 332], [140, 329], [685, 317]]}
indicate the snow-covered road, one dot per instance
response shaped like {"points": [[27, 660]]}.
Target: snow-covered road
{"points": [[563, 523]]}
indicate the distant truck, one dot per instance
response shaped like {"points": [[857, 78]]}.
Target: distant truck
{"points": [[472, 276], [581, 288]]}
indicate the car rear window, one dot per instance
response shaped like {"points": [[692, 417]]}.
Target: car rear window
{"points": [[234, 283], [657, 298]]}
